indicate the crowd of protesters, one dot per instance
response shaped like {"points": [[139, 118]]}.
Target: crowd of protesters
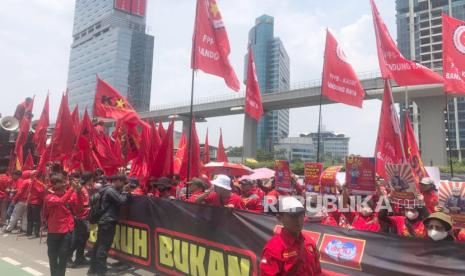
{"points": [[64, 205]]}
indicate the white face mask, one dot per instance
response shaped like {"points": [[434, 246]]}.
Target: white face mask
{"points": [[437, 235], [411, 215]]}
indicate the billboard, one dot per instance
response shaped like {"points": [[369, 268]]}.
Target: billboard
{"points": [[134, 7]]}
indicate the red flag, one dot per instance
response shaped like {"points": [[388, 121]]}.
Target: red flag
{"points": [[210, 44], [63, 137], [180, 154], [75, 119], [109, 103], [392, 64], [24, 128], [161, 131], [412, 153], [221, 154], [140, 165], [253, 98], [388, 144], [340, 83], [155, 143], [453, 44], [108, 155], [195, 163], [128, 137], [40, 135], [29, 164], [206, 150], [163, 164], [84, 143]]}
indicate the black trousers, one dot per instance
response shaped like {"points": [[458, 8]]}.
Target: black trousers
{"points": [[105, 236], [33, 219], [79, 239], [58, 252]]}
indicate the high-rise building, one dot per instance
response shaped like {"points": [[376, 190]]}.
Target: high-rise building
{"points": [[272, 66], [109, 40], [426, 32]]}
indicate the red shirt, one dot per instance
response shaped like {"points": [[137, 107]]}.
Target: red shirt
{"points": [[233, 200], [431, 200], [402, 229], [79, 204], [13, 187], [59, 218], [138, 191], [253, 200], [23, 190], [36, 192], [285, 254], [368, 223], [194, 196], [3, 185]]}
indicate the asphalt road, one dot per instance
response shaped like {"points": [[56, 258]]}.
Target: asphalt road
{"points": [[20, 256]]}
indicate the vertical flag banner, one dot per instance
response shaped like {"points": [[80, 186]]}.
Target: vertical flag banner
{"points": [[210, 45], [453, 54], [388, 144], [391, 62], [253, 98], [340, 83], [412, 153], [40, 135], [221, 153]]}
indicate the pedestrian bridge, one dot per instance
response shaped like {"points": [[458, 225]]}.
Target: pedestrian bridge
{"points": [[429, 98]]}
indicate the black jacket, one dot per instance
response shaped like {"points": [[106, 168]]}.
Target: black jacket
{"points": [[110, 203]]}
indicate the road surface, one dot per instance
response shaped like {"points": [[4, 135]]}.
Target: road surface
{"points": [[21, 256]]}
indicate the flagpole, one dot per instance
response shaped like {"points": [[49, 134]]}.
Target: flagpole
{"points": [[399, 134], [191, 116], [448, 135], [319, 126]]}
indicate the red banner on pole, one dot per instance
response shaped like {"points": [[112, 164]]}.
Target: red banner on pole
{"points": [[360, 175], [312, 173], [340, 83], [453, 53], [253, 98]]}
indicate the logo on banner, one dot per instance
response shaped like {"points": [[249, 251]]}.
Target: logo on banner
{"points": [[459, 39], [183, 254], [340, 54], [342, 251]]}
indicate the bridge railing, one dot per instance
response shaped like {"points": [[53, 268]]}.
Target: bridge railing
{"points": [[240, 95]]}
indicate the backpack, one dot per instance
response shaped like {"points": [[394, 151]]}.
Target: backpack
{"points": [[95, 212]]}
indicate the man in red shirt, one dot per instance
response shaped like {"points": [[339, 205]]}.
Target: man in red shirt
{"points": [[79, 207], [4, 180], [196, 189], [22, 108], [430, 195], [35, 196], [19, 194], [290, 252], [251, 196], [60, 224], [222, 195]]}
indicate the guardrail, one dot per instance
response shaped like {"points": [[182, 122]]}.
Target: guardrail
{"points": [[240, 95]]}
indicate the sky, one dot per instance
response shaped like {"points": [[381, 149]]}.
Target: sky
{"points": [[35, 39]]}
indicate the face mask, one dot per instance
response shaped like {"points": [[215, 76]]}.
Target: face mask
{"points": [[437, 235], [411, 215]]}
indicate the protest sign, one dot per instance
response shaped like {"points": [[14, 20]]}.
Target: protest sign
{"points": [[328, 179], [360, 175], [401, 180], [312, 172], [452, 200], [282, 176]]}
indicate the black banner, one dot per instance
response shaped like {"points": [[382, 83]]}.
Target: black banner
{"points": [[178, 238]]}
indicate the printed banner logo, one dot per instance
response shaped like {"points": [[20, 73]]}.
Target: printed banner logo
{"points": [[459, 39], [342, 251]]}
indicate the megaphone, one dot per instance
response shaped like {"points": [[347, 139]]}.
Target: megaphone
{"points": [[9, 123]]}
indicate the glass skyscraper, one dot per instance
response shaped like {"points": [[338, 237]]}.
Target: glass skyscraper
{"points": [[272, 66], [109, 40], [427, 35]]}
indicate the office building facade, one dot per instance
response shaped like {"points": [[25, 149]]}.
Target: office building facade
{"points": [[425, 30], [272, 66], [109, 40]]}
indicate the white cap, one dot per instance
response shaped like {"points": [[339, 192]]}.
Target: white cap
{"points": [[222, 181], [290, 204], [426, 181]]}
